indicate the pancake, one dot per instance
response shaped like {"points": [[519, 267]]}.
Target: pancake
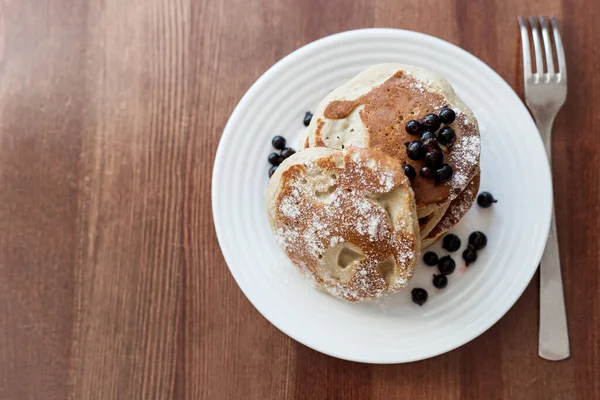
{"points": [[371, 110], [347, 219], [457, 209], [428, 222]]}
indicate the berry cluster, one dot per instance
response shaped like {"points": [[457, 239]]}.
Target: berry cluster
{"points": [[427, 148], [275, 159], [446, 265], [279, 143], [477, 241]]}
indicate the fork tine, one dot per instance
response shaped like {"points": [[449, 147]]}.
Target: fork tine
{"points": [[547, 45], [527, 71], [560, 52], [537, 47]]}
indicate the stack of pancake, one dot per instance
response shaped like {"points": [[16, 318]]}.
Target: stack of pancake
{"points": [[362, 123]]}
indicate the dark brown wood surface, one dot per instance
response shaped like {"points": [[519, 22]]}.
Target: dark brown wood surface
{"points": [[112, 284]]}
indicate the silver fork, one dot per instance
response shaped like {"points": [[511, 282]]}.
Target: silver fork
{"points": [[545, 94]]}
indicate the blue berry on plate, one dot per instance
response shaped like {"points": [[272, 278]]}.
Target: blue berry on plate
{"points": [[429, 143], [451, 242], [444, 173], [447, 115], [419, 296], [285, 153], [413, 127], [446, 135], [307, 117], [430, 258], [432, 122], [274, 159], [478, 240], [440, 281], [485, 199], [434, 157], [415, 150], [410, 172], [428, 135], [272, 170], [427, 172], [446, 265], [469, 255], [278, 142]]}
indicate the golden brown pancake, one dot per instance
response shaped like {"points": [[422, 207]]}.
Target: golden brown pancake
{"points": [[346, 219]]}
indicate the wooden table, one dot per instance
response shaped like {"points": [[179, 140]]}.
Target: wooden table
{"points": [[112, 284]]}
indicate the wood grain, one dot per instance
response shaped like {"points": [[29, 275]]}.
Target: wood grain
{"points": [[112, 284]]}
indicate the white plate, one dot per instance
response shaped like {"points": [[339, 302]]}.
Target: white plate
{"points": [[514, 168]]}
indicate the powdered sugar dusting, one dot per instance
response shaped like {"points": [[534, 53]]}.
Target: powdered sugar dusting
{"points": [[285, 237], [416, 83], [334, 240], [289, 208], [373, 228], [464, 158], [363, 205], [386, 179]]}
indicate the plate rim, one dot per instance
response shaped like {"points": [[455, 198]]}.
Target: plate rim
{"points": [[228, 133]]}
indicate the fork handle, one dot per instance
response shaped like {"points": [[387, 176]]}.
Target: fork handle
{"points": [[554, 334]]}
